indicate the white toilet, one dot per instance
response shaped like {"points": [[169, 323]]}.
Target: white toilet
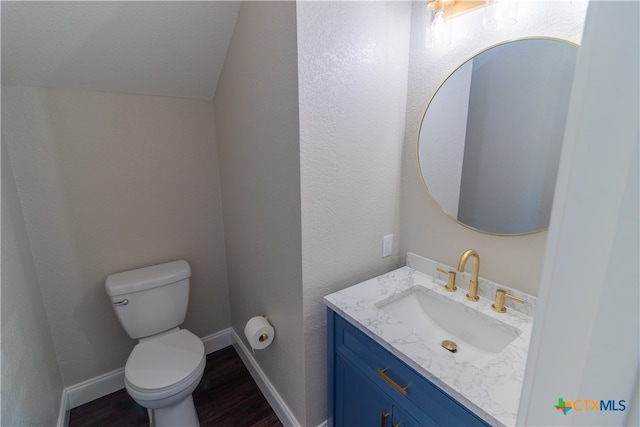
{"points": [[167, 364]]}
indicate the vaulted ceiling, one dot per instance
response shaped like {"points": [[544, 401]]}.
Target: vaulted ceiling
{"points": [[173, 48]]}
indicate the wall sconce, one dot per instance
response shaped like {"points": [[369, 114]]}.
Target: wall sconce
{"points": [[440, 13], [499, 14], [438, 25]]}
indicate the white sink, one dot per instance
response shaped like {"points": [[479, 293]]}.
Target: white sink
{"points": [[435, 318]]}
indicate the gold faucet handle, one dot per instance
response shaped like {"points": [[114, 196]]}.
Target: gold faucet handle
{"points": [[501, 294], [451, 282]]}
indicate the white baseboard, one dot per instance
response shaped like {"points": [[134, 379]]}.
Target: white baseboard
{"points": [[63, 415], [92, 389], [218, 341], [268, 390], [100, 386]]}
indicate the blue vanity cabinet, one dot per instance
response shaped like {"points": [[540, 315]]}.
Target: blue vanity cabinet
{"points": [[359, 402], [369, 386]]}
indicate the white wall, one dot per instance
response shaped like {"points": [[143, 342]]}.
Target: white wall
{"points": [[162, 48], [111, 182], [335, 173], [424, 229], [256, 106], [29, 370], [352, 71], [585, 341]]}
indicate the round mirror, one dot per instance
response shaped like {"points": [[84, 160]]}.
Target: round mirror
{"points": [[491, 136]]}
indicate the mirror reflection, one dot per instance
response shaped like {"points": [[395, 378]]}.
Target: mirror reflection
{"points": [[491, 137]]}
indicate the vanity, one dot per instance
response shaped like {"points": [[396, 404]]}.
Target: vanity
{"points": [[387, 364]]}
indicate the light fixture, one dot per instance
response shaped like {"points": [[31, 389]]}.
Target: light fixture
{"points": [[438, 26], [440, 13], [499, 14]]}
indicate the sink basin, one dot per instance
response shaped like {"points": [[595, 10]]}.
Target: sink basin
{"points": [[436, 318]]}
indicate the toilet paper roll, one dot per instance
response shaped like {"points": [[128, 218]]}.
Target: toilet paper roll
{"points": [[259, 332]]}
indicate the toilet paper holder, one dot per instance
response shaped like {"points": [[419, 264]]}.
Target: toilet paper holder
{"points": [[265, 336], [259, 332]]}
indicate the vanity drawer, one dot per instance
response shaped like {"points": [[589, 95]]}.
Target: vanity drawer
{"points": [[397, 378]]}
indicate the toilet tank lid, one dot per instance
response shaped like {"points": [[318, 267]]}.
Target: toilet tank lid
{"points": [[147, 277]]}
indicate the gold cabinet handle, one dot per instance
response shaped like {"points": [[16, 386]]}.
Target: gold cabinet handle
{"points": [[392, 383], [395, 425], [383, 419]]}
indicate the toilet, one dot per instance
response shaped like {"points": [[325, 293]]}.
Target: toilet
{"points": [[167, 364]]}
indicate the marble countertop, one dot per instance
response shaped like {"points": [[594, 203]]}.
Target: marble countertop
{"points": [[493, 391]]}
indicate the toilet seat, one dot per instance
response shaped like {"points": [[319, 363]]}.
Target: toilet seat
{"points": [[164, 366]]}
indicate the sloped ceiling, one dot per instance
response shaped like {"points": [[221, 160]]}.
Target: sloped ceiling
{"points": [[173, 48]]}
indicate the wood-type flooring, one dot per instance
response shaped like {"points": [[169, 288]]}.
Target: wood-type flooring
{"points": [[227, 396]]}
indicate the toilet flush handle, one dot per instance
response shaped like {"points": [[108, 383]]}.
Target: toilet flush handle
{"points": [[123, 302]]}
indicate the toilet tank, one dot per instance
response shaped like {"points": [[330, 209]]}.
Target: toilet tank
{"points": [[150, 300]]}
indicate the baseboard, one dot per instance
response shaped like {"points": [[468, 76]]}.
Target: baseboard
{"points": [[63, 415], [268, 390], [92, 389], [100, 386], [218, 341]]}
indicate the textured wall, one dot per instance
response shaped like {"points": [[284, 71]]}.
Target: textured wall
{"points": [[111, 182], [352, 62], [517, 260], [256, 106], [29, 369]]}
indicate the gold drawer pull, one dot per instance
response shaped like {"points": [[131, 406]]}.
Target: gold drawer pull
{"points": [[383, 419], [392, 383]]}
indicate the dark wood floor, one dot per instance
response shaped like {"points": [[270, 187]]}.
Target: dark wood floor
{"points": [[227, 396]]}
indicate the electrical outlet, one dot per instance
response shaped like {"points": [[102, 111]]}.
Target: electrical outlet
{"points": [[387, 245]]}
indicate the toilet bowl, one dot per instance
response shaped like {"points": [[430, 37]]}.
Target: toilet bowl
{"points": [[165, 367], [162, 373]]}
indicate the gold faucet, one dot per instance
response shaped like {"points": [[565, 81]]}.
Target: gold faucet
{"points": [[473, 283]]}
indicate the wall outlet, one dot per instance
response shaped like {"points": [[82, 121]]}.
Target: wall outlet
{"points": [[387, 245]]}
